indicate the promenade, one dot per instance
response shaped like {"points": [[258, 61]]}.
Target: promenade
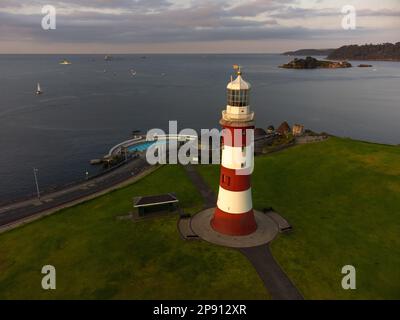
{"points": [[22, 212]]}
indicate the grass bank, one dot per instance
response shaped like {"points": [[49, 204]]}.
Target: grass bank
{"points": [[343, 199], [98, 256]]}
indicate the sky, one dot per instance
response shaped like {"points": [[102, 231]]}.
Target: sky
{"points": [[193, 26]]}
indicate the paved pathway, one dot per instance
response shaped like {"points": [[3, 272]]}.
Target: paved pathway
{"points": [[275, 280], [205, 191]]}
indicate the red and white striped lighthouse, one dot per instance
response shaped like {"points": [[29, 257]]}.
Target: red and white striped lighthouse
{"points": [[234, 213]]}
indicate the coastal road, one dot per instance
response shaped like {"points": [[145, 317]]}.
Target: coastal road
{"points": [[18, 212]]}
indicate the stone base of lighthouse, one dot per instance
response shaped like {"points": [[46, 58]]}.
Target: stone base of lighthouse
{"points": [[266, 230], [233, 224]]}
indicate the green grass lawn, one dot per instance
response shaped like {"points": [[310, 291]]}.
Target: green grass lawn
{"points": [[343, 199], [98, 256], [341, 196]]}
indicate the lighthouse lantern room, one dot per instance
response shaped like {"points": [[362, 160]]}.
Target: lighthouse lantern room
{"points": [[234, 212]]}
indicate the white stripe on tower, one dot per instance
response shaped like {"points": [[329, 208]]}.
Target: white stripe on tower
{"points": [[234, 202], [234, 158]]}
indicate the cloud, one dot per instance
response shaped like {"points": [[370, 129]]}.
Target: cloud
{"points": [[256, 7], [291, 12], [117, 22], [379, 13], [126, 4]]}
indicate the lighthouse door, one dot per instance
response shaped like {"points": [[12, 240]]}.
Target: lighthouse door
{"points": [[226, 180]]}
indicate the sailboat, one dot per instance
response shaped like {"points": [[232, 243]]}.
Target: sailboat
{"points": [[38, 90], [65, 61]]}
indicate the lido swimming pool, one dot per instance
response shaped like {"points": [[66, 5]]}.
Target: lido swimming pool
{"points": [[144, 146]]}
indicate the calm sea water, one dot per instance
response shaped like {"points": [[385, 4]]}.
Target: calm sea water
{"points": [[85, 111]]}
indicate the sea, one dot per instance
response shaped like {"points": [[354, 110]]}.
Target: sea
{"points": [[91, 105]]}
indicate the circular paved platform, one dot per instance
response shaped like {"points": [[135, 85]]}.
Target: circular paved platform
{"points": [[266, 231]]}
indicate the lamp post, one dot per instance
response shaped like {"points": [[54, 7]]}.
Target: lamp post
{"points": [[124, 151], [35, 171]]}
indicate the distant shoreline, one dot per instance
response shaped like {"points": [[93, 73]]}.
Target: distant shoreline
{"points": [[368, 52]]}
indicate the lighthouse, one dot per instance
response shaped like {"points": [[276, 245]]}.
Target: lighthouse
{"points": [[234, 214]]}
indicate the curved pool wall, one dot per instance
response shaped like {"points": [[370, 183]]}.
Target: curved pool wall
{"points": [[141, 145], [144, 146]]}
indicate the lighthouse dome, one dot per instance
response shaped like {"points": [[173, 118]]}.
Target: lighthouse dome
{"points": [[238, 92], [239, 84]]}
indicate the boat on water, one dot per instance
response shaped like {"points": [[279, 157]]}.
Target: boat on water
{"points": [[133, 72], [65, 61], [107, 58], [38, 90]]}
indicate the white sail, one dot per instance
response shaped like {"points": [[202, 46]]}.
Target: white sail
{"points": [[38, 90]]}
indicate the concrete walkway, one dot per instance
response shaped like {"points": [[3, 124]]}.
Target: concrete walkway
{"points": [[275, 280], [208, 195]]}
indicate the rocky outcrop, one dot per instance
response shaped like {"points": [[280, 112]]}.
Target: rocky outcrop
{"points": [[312, 63]]}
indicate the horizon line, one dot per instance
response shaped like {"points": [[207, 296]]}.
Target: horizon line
{"points": [[136, 53]]}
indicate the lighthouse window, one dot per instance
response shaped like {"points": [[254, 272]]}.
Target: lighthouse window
{"points": [[238, 98], [226, 180]]}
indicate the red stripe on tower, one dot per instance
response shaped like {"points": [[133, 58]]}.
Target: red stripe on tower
{"points": [[234, 213]]}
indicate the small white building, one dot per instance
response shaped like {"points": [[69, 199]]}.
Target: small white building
{"points": [[298, 130]]}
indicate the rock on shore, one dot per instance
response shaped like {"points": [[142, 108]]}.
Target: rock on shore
{"points": [[312, 63]]}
